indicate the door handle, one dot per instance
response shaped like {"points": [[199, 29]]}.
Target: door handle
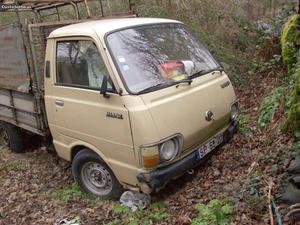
{"points": [[59, 103]]}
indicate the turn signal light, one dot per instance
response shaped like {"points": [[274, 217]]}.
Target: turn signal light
{"points": [[150, 161], [150, 156]]}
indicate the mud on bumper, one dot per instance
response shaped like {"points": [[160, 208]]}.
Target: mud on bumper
{"points": [[161, 176]]}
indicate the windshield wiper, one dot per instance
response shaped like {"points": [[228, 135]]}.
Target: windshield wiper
{"points": [[155, 87], [152, 88], [188, 81], [202, 72]]}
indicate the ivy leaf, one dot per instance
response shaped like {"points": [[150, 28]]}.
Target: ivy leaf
{"points": [[227, 209]]}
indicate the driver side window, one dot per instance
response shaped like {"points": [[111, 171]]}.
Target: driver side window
{"points": [[80, 64]]}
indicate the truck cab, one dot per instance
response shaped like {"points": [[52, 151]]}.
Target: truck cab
{"points": [[134, 102]]}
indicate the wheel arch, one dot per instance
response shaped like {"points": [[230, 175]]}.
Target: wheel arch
{"points": [[77, 147], [75, 150]]}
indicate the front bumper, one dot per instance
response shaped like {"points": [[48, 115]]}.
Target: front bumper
{"points": [[159, 177]]}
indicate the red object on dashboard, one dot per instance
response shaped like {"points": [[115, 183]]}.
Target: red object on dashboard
{"points": [[171, 66]]}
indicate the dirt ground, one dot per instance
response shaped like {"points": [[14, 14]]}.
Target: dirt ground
{"points": [[33, 184]]}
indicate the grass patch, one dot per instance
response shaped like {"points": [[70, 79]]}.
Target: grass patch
{"points": [[155, 213], [216, 212], [16, 166], [67, 194]]}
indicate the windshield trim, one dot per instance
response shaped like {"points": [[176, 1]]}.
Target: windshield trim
{"points": [[146, 25]]}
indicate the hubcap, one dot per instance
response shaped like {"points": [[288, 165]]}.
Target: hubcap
{"points": [[96, 178], [4, 139]]}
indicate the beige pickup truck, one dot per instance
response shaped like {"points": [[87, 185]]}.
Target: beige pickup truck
{"points": [[131, 102]]}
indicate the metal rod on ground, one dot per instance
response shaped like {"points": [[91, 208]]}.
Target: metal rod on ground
{"points": [[278, 216], [270, 202]]}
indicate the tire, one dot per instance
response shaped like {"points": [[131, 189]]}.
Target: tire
{"points": [[11, 136], [94, 176]]}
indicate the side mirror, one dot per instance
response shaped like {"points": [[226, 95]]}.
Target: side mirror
{"points": [[103, 89]]}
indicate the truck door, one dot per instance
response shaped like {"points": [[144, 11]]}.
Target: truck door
{"points": [[78, 112]]}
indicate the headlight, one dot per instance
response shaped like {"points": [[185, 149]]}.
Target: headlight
{"points": [[234, 111], [168, 150]]}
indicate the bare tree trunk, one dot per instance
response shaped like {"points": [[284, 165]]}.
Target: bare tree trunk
{"points": [[299, 7], [170, 5], [108, 6], [273, 8]]}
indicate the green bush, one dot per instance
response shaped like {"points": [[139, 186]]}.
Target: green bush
{"points": [[216, 212]]}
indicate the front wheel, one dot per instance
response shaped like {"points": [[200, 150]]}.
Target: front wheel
{"points": [[94, 176]]}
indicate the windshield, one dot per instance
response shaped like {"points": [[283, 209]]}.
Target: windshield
{"points": [[159, 55]]}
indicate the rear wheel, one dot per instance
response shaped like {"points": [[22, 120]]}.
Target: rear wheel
{"points": [[4, 140], [94, 176], [11, 136]]}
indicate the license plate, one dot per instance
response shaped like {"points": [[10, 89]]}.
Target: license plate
{"points": [[209, 146]]}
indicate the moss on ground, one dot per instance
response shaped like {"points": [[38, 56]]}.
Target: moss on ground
{"points": [[294, 113], [290, 41]]}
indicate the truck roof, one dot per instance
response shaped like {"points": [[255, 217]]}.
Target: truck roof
{"points": [[104, 26]]}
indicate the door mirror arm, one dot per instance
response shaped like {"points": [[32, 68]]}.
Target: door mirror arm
{"points": [[103, 89]]}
